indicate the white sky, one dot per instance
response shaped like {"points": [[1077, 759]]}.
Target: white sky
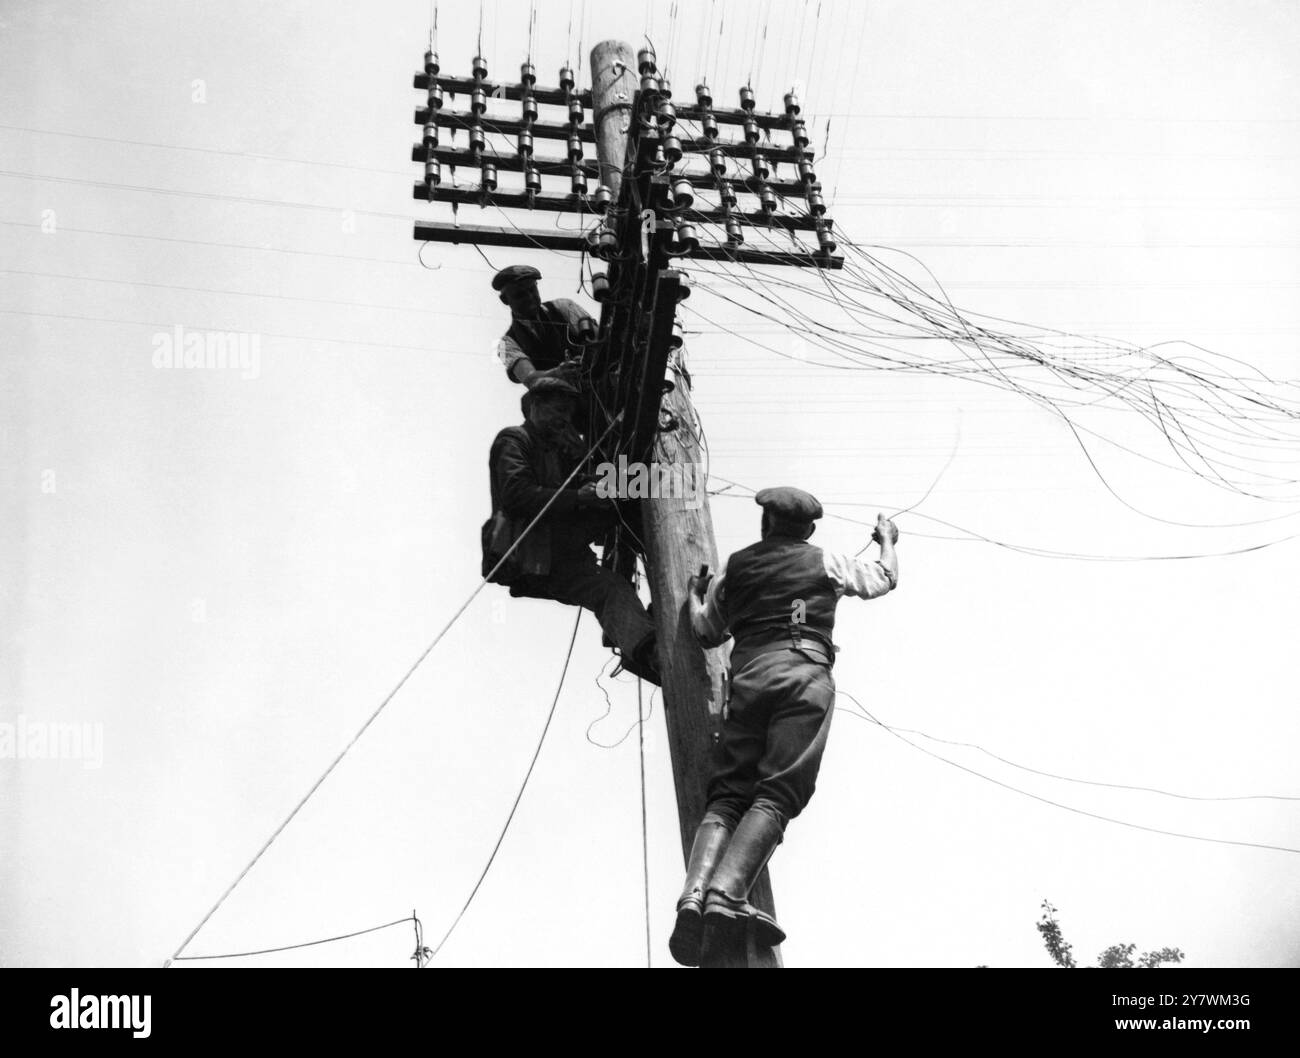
{"points": [[1121, 168]]}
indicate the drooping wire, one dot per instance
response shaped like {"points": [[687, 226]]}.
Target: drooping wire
{"points": [[518, 797], [645, 832], [1072, 372], [419, 256], [972, 536], [1069, 778], [484, 256], [400, 684], [305, 944], [867, 717], [956, 444], [609, 708]]}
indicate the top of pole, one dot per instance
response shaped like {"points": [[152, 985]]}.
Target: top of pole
{"points": [[613, 84]]}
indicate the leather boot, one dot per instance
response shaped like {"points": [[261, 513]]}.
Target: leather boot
{"points": [[643, 661], [706, 850], [727, 910]]}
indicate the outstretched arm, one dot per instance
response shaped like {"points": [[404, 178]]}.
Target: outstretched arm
{"points": [[886, 535], [871, 578]]}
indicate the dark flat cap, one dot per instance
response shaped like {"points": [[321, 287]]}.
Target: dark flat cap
{"points": [[790, 504], [515, 274], [548, 388], [554, 387]]}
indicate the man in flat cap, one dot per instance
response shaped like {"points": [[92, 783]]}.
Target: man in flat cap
{"points": [[528, 465], [543, 339], [777, 598]]}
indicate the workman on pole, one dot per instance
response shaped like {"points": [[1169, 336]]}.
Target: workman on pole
{"points": [[553, 559], [546, 338], [777, 598]]}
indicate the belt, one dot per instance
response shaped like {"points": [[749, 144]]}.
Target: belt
{"points": [[812, 644]]}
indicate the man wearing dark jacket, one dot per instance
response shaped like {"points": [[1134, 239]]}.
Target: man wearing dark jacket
{"points": [[544, 339], [529, 464], [777, 598]]}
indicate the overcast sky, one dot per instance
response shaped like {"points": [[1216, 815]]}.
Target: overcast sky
{"points": [[227, 570]]}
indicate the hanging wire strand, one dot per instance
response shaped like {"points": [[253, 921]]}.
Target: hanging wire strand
{"points": [[393, 693], [1232, 410], [866, 716], [645, 830], [972, 536], [305, 944], [518, 797], [1070, 778]]}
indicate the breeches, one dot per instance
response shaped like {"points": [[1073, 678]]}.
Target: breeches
{"points": [[579, 581], [774, 732]]}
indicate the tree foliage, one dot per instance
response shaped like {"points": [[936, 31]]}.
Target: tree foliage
{"points": [[1116, 957]]}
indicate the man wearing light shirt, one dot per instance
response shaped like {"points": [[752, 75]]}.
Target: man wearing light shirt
{"points": [[777, 598], [544, 339]]}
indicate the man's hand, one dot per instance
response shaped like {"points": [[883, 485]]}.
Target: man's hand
{"points": [[699, 586], [589, 498], [569, 371], [884, 528]]}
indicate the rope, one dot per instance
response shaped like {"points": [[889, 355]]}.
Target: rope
{"points": [[519, 796], [391, 694]]}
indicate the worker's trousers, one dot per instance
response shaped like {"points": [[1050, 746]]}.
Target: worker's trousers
{"points": [[774, 730], [578, 580]]}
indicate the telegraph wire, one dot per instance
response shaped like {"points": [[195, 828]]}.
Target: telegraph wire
{"points": [[252, 293], [1070, 778], [520, 795], [853, 361], [609, 708], [1038, 552], [256, 156], [170, 324], [867, 717], [210, 195], [292, 947], [400, 684], [645, 829], [405, 261]]}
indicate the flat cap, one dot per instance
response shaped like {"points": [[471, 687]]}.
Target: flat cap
{"points": [[515, 274], [790, 504], [547, 388]]}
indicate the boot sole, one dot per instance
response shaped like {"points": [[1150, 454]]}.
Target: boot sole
{"points": [[732, 924], [721, 931], [766, 932], [687, 938]]}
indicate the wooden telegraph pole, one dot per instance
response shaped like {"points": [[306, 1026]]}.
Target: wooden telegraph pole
{"points": [[649, 219], [678, 538]]}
